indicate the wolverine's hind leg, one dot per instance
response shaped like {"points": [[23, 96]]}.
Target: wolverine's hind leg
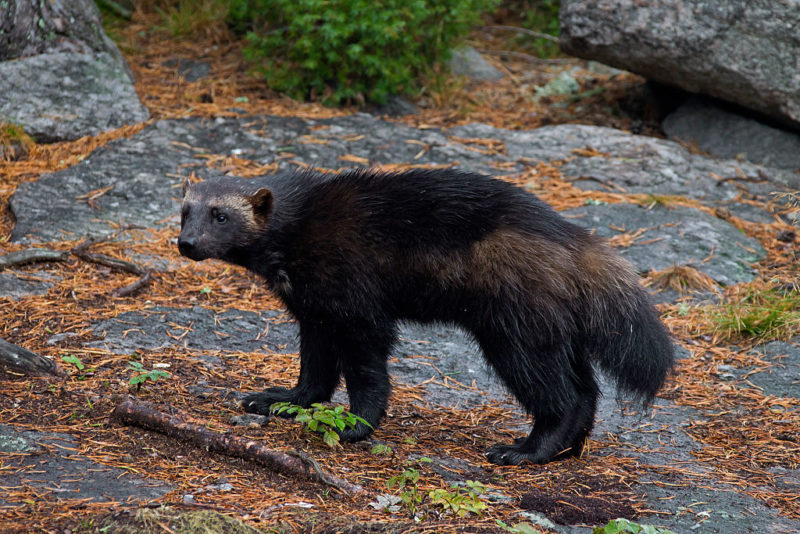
{"points": [[555, 386], [553, 436], [319, 373]]}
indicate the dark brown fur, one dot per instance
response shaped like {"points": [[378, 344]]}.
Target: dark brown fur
{"points": [[354, 253]]}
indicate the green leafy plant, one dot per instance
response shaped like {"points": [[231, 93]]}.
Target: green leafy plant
{"points": [[410, 496], [619, 526], [142, 375], [458, 500], [74, 360], [381, 449], [351, 50], [461, 500], [321, 419]]}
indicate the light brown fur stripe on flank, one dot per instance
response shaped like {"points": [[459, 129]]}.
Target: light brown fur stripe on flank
{"points": [[508, 258]]}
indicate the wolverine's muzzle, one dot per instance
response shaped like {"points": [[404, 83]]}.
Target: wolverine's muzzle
{"points": [[188, 248]]}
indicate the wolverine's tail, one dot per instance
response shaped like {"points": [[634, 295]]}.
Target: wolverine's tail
{"points": [[637, 351], [630, 342]]}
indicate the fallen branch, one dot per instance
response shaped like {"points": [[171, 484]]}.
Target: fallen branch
{"points": [[131, 412], [20, 360], [134, 287], [81, 251], [31, 255], [108, 261]]}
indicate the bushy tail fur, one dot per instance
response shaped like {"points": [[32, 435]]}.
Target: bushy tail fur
{"points": [[638, 351], [632, 345]]}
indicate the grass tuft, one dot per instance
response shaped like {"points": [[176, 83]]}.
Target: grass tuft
{"points": [[761, 315]]}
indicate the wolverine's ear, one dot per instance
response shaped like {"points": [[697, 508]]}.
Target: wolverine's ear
{"points": [[261, 201], [186, 184]]}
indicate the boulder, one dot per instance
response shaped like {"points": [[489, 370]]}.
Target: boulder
{"points": [[62, 96], [746, 52], [61, 77], [724, 133]]}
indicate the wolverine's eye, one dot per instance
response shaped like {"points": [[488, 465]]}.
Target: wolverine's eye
{"points": [[218, 216]]}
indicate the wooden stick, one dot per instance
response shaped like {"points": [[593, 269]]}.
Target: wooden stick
{"points": [[108, 261], [134, 287], [20, 360], [32, 255], [131, 412]]}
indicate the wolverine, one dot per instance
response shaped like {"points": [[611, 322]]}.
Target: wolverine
{"points": [[353, 254]]}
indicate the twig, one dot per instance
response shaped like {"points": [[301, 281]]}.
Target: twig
{"points": [[131, 412], [526, 31], [134, 287], [32, 255], [81, 251], [526, 57], [108, 261]]}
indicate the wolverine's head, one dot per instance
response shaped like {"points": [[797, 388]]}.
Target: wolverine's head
{"points": [[222, 217]]}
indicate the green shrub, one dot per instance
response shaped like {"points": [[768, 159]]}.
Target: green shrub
{"points": [[543, 17], [351, 50]]}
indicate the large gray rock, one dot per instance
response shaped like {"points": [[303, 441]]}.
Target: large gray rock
{"points": [[727, 134], [64, 96], [743, 51]]}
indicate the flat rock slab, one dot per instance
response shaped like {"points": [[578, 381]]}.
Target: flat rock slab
{"points": [[676, 236], [16, 286], [444, 360], [783, 378], [63, 96], [448, 366], [626, 163], [198, 329], [58, 473]]}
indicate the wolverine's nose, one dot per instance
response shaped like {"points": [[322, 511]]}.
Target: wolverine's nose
{"points": [[187, 245]]}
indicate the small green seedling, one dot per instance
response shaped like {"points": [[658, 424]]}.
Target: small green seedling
{"points": [[142, 375], [74, 360], [321, 419], [410, 496], [519, 528], [381, 449], [462, 500], [83, 371], [625, 526]]}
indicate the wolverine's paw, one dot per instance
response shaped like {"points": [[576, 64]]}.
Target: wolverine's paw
{"points": [[515, 455], [361, 431], [261, 403]]}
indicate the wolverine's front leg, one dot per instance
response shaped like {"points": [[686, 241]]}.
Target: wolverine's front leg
{"points": [[319, 373], [363, 363]]}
